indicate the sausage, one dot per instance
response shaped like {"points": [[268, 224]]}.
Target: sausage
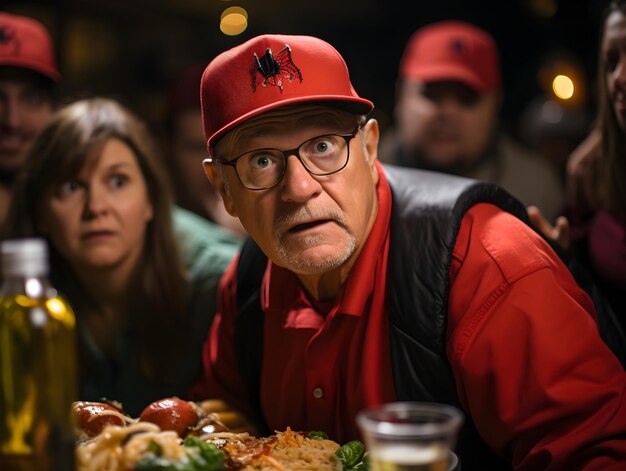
{"points": [[92, 417], [171, 414]]}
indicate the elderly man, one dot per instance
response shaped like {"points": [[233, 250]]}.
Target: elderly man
{"points": [[28, 77], [385, 284], [448, 99]]}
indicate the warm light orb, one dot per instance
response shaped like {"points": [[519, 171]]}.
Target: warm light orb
{"points": [[234, 21], [563, 87]]}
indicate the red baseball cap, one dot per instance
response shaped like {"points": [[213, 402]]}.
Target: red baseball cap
{"points": [[24, 42], [452, 50], [271, 71]]}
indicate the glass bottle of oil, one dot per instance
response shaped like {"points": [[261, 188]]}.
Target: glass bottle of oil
{"points": [[37, 363]]}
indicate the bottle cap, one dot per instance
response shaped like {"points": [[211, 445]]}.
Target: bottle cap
{"points": [[24, 257]]}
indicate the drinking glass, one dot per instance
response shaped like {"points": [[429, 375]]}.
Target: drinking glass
{"points": [[411, 436]]}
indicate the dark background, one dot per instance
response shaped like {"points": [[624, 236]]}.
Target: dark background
{"points": [[132, 49]]}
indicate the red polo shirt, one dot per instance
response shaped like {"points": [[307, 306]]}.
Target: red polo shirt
{"points": [[323, 362], [530, 368]]}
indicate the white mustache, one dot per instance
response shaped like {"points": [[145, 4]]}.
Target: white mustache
{"points": [[305, 214]]}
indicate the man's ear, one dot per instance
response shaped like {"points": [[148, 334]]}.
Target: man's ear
{"points": [[371, 136], [215, 177]]}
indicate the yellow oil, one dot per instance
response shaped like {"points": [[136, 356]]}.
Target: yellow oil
{"points": [[37, 383]]}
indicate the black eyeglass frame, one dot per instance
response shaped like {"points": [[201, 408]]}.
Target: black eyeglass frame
{"points": [[295, 151]]}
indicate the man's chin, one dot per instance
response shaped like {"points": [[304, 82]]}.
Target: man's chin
{"points": [[445, 163], [314, 260]]}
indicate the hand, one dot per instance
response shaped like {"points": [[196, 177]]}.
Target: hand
{"points": [[234, 420], [558, 233]]}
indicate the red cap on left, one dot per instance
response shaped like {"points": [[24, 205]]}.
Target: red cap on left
{"points": [[24, 42]]}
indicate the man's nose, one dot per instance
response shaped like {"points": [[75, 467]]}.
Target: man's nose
{"points": [[10, 115], [298, 184], [449, 105]]}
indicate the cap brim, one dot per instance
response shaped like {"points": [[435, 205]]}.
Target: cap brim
{"points": [[352, 104], [448, 72], [48, 72]]}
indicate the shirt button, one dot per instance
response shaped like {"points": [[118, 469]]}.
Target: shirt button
{"points": [[318, 393]]}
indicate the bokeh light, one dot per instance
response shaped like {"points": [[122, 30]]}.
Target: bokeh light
{"points": [[563, 87], [233, 21]]}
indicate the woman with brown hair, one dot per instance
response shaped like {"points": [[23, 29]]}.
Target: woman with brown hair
{"points": [[597, 171], [595, 231], [140, 275]]}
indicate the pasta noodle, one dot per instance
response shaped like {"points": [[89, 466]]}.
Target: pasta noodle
{"points": [[121, 448]]}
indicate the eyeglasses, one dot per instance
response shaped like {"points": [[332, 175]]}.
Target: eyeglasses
{"points": [[262, 169]]}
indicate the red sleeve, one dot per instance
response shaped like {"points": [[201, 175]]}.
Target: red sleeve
{"points": [[221, 379], [541, 386]]}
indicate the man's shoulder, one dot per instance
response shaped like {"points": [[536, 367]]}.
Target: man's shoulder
{"points": [[491, 236]]}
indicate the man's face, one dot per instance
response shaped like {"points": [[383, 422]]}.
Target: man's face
{"points": [[25, 107], [309, 224], [188, 152], [448, 123]]}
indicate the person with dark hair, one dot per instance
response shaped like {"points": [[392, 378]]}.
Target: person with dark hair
{"points": [[362, 284], [141, 275], [448, 100], [28, 80], [187, 149]]}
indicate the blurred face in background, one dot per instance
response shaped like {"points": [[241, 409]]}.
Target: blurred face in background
{"points": [[448, 123], [188, 152], [614, 56], [193, 191], [25, 107], [97, 220]]}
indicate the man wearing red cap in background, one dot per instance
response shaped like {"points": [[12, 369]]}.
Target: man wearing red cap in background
{"points": [[448, 99], [28, 76], [363, 284], [187, 148]]}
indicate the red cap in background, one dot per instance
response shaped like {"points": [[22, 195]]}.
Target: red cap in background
{"points": [[271, 71], [452, 51], [24, 42], [184, 92]]}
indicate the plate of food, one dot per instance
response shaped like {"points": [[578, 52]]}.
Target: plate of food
{"points": [[177, 435]]}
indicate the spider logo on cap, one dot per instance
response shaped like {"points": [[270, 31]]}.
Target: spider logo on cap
{"points": [[8, 39], [274, 68]]}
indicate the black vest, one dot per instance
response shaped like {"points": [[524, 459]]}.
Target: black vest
{"points": [[427, 210]]}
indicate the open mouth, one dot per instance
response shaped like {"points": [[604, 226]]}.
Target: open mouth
{"points": [[97, 235], [308, 225]]}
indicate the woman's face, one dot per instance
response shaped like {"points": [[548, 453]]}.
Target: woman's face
{"points": [[614, 56], [98, 219]]}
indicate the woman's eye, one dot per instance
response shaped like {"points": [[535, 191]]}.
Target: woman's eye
{"points": [[68, 187], [118, 181]]}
